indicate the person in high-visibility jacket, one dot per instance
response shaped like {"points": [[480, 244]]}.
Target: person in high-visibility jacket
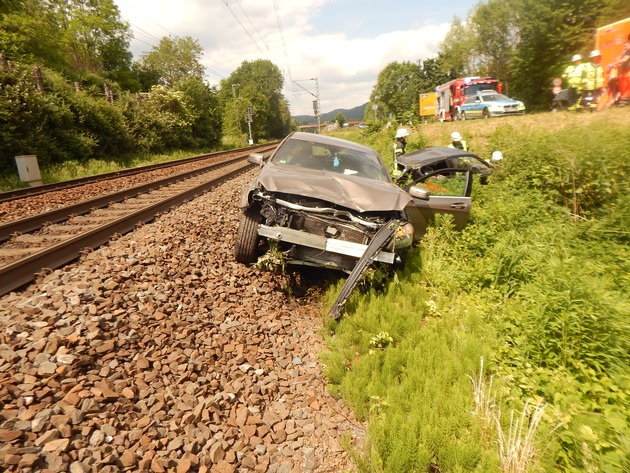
{"points": [[457, 141], [399, 150], [576, 83], [573, 81], [592, 80], [401, 142]]}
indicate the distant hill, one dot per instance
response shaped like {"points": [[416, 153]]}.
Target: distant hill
{"points": [[355, 113]]}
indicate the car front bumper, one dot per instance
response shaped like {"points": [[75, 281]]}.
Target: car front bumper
{"points": [[497, 112], [324, 244]]}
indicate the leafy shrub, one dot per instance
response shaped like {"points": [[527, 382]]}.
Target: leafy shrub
{"points": [[539, 279], [62, 124]]}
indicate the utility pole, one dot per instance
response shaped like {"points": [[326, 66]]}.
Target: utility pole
{"points": [[250, 119], [316, 108], [236, 114]]}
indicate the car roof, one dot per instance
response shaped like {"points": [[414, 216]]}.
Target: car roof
{"points": [[433, 154]]}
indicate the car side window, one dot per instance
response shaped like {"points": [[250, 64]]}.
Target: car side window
{"points": [[449, 182]]}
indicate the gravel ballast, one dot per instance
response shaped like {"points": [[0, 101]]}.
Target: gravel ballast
{"points": [[158, 352]]}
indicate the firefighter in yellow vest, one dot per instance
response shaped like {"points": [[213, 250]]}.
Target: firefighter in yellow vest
{"points": [[576, 82], [399, 149], [457, 141], [573, 82], [592, 80]]}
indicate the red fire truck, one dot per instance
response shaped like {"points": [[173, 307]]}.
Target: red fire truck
{"points": [[452, 95], [610, 40]]}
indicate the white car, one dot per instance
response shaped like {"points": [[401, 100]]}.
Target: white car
{"points": [[488, 104]]}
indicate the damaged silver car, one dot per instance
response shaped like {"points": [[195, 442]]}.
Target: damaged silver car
{"points": [[331, 203]]}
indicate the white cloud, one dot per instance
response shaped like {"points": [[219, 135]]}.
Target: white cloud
{"points": [[231, 32]]}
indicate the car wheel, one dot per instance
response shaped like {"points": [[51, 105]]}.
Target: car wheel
{"points": [[463, 115], [246, 245], [486, 113]]}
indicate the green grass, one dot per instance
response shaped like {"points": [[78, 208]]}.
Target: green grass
{"points": [[536, 285]]}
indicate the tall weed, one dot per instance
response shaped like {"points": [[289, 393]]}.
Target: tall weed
{"points": [[537, 284]]}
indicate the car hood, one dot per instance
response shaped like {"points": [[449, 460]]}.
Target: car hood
{"points": [[353, 192]]}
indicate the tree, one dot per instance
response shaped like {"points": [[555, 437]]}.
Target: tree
{"points": [[257, 84], [549, 32], [205, 111], [526, 43], [496, 35], [434, 73], [171, 61], [8, 6], [79, 38], [455, 50], [28, 35], [396, 90], [94, 33], [340, 119]]}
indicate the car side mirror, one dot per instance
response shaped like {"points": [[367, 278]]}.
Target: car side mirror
{"points": [[256, 158], [419, 193]]}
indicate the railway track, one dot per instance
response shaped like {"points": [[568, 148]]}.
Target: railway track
{"points": [[51, 239], [32, 191]]}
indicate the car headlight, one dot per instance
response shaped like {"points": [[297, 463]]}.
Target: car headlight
{"points": [[403, 238]]}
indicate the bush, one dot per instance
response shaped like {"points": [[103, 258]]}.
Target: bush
{"points": [[537, 284], [62, 124]]}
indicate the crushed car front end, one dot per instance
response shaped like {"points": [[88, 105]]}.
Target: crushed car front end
{"points": [[320, 201], [319, 233]]}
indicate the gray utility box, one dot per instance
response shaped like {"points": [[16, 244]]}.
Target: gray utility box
{"points": [[29, 169]]}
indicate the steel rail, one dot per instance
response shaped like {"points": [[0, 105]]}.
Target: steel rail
{"points": [[29, 224], [25, 270], [31, 191]]}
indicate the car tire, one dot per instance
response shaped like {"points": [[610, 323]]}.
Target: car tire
{"points": [[246, 244], [486, 113]]}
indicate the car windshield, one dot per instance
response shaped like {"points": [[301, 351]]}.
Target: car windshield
{"points": [[331, 158], [494, 97]]}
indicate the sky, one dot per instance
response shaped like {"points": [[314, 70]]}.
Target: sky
{"points": [[334, 47]]}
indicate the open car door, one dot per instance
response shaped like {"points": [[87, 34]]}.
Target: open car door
{"points": [[449, 191]]}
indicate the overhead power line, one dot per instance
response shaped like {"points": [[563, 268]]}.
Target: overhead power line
{"points": [[145, 32], [253, 26], [284, 48], [244, 29], [146, 16]]}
